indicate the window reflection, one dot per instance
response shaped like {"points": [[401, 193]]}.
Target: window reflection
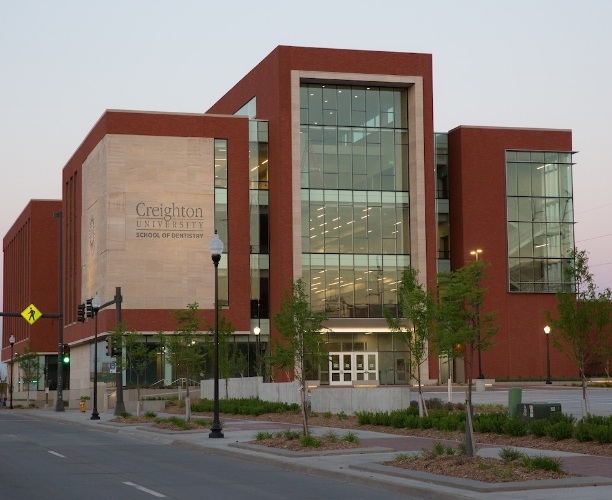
{"points": [[540, 219]]}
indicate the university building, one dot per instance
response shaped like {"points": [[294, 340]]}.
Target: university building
{"points": [[319, 164]]}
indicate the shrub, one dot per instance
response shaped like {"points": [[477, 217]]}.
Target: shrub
{"points": [[541, 462], [398, 419], [150, 414], [364, 417], [351, 437], [515, 427], [441, 449], [510, 454], [262, 435], [490, 422], [426, 422], [310, 441], [331, 436], [583, 431], [203, 422], [602, 434], [244, 406], [290, 434], [342, 415], [560, 430], [539, 427], [402, 456], [433, 404], [327, 414], [412, 421], [451, 422]]}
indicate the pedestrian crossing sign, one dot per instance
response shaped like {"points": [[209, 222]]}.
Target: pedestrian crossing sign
{"points": [[31, 314]]}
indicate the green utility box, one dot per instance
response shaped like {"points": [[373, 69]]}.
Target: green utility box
{"points": [[515, 395], [535, 411]]}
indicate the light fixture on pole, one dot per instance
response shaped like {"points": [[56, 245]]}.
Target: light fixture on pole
{"points": [[96, 304], [547, 332], [215, 247], [12, 342], [476, 253], [257, 331]]}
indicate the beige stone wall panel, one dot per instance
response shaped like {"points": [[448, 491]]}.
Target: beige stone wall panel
{"points": [[164, 269]]}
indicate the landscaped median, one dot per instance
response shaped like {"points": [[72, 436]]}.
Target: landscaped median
{"points": [[444, 422]]}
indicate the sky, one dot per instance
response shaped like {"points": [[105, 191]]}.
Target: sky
{"points": [[524, 63]]}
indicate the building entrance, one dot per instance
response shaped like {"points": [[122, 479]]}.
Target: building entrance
{"points": [[345, 367]]}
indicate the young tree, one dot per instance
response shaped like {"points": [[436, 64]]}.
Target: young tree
{"points": [[417, 311], [29, 362], [300, 329], [183, 349], [581, 329], [135, 355], [461, 322], [231, 360]]}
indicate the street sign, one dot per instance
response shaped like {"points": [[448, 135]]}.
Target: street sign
{"points": [[31, 314]]}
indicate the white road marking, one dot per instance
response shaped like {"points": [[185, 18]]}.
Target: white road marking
{"points": [[146, 490], [56, 454]]}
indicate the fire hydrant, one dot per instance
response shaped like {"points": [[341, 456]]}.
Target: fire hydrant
{"points": [[82, 405]]}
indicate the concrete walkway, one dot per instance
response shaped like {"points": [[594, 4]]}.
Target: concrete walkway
{"points": [[362, 465]]}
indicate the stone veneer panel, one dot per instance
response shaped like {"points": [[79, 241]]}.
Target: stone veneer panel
{"points": [[148, 216]]}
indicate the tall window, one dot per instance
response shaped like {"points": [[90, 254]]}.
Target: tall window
{"points": [[355, 201], [259, 219], [540, 220]]}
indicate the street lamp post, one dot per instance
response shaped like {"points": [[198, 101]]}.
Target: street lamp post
{"points": [[96, 304], [547, 332], [215, 247], [12, 342], [257, 331], [476, 253]]}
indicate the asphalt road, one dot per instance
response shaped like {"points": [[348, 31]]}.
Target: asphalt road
{"points": [[48, 459]]}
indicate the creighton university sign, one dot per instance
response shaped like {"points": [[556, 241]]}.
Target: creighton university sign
{"points": [[169, 221]]}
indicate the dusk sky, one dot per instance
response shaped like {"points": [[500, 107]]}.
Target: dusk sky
{"points": [[525, 63]]}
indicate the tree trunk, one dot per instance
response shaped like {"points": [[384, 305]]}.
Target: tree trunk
{"points": [[422, 407]]}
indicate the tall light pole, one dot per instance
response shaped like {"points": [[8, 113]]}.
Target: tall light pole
{"points": [[547, 332], [59, 400], [476, 253], [215, 247], [96, 304], [257, 331], [12, 342]]}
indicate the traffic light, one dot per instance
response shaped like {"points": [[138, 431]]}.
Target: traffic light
{"points": [[66, 355], [89, 312], [81, 313]]}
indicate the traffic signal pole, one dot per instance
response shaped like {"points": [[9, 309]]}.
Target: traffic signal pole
{"points": [[86, 311]]}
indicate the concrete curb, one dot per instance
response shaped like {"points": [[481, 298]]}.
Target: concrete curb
{"points": [[481, 486]]}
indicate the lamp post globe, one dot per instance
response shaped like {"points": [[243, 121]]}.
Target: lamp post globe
{"points": [[215, 247]]}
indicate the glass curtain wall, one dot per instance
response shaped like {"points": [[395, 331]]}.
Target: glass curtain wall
{"points": [[540, 220], [442, 203], [355, 199]]}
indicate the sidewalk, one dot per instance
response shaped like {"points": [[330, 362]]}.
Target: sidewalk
{"points": [[361, 465]]}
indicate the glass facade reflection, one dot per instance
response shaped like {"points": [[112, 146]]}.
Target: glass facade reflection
{"points": [[540, 217], [355, 200]]}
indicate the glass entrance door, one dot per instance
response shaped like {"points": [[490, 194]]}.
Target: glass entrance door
{"points": [[344, 367]]}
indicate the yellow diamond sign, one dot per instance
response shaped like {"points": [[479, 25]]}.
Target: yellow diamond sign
{"points": [[31, 314]]}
